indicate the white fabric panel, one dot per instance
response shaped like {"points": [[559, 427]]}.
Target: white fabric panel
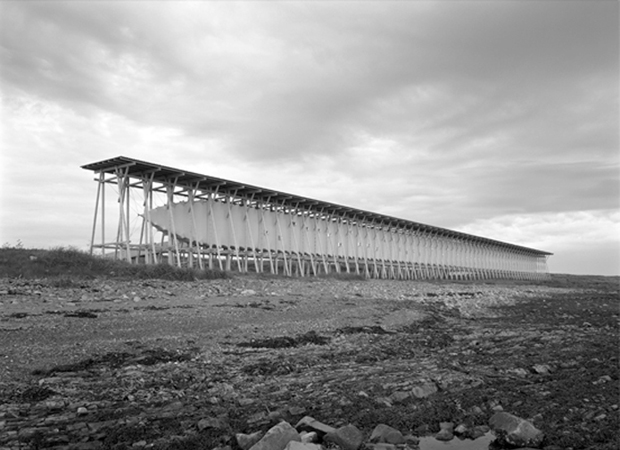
{"points": [[215, 223]]}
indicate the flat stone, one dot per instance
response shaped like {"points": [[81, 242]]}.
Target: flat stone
{"points": [[541, 369], [520, 372], [277, 438], [399, 396], [211, 422], [309, 437], [384, 401], [347, 437], [308, 423], [515, 431], [424, 390]]}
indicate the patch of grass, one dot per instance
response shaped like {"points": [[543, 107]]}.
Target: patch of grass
{"points": [[114, 360], [35, 394], [67, 266], [118, 437], [278, 365], [83, 314], [369, 329], [342, 276], [311, 337]]}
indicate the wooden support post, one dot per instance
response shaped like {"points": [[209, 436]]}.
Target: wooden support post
{"points": [[99, 185]]}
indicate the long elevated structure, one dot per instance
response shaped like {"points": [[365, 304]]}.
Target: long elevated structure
{"points": [[189, 219]]}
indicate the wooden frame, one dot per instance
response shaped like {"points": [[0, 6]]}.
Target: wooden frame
{"points": [[208, 222]]}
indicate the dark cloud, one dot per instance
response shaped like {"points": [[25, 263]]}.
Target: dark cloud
{"points": [[324, 72]]}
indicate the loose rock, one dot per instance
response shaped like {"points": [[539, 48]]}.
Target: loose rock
{"points": [[515, 431], [277, 438], [425, 390], [347, 437], [308, 423], [445, 432], [245, 441], [386, 434]]}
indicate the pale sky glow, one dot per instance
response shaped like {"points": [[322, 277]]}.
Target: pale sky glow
{"points": [[498, 119]]}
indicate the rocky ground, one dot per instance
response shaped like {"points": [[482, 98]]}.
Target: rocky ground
{"points": [[108, 364]]}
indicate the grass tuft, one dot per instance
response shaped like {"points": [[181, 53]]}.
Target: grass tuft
{"points": [[66, 266]]}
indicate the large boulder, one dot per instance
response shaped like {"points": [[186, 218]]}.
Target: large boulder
{"points": [[277, 438], [386, 434], [347, 437], [515, 431]]}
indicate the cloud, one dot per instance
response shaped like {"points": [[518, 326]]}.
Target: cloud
{"points": [[283, 81], [583, 242]]}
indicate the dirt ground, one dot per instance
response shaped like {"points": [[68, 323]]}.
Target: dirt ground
{"points": [[158, 364]]}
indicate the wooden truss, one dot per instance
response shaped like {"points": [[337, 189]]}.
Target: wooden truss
{"points": [[206, 222]]}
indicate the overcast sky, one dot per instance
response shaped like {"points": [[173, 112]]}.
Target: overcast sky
{"points": [[498, 119]]}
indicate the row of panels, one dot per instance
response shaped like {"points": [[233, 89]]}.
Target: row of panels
{"points": [[211, 223]]}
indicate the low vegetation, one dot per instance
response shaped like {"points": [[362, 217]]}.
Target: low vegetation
{"points": [[67, 266]]}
